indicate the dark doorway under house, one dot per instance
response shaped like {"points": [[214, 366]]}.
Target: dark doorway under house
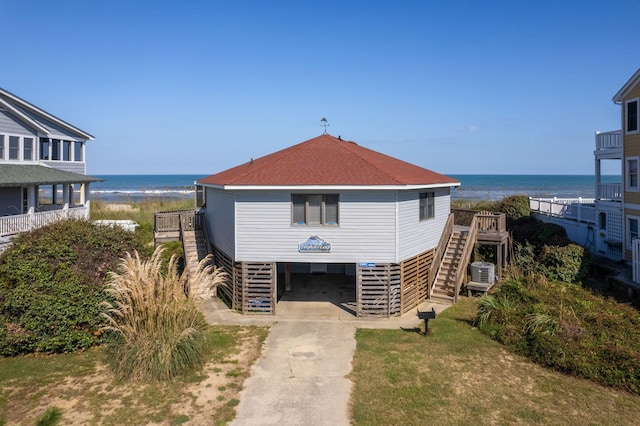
{"points": [[329, 287]]}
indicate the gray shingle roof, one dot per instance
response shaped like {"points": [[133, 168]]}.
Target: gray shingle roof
{"points": [[32, 174]]}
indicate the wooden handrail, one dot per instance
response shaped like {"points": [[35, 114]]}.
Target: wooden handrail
{"points": [[440, 250], [461, 272]]}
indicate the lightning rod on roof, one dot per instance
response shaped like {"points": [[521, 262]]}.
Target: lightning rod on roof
{"points": [[324, 124]]}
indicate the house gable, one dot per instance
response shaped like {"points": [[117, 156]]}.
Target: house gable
{"points": [[39, 120]]}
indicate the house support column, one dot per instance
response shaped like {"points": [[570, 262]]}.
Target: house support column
{"points": [[84, 195], [66, 196], [32, 203], [598, 179], [54, 194], [287, 276]]}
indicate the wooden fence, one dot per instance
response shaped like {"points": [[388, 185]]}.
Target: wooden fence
{"points": [[378, 290], [415, 280], [258, 288]]}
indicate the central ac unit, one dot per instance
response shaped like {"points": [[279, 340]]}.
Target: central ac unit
{"points": [[482, 272]]}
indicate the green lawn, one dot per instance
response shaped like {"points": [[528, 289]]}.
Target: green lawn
{"points": [[458, 376]]}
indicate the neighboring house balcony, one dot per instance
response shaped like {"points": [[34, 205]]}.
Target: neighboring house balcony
{"points": [[608, 145], [609, 192]]}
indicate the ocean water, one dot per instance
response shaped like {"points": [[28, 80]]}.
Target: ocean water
{"points": [[472, 187]]}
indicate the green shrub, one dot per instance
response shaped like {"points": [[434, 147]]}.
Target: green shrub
{"points": [[51, 281], [515, 206], [566, 327], [157, 330], [568, 264]]}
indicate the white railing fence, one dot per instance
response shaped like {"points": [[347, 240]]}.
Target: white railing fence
{"points": [[15, 224], [609, 140], [580, 209], [610, 191]]}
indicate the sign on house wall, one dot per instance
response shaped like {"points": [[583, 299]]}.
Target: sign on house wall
{"points": [[314, 244]]}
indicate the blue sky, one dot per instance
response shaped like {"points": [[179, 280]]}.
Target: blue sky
{"points": [[196, 87]]}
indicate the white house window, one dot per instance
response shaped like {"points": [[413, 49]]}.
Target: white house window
{"points": [[632, 174], [55, 149], [314, 209], [27, 149], [632, 230], [2, 149], [44, 148], [427, 205], [66, 151], [632, 119], [14, 147], [77, 151]]}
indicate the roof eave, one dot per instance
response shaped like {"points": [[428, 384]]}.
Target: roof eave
{"points": [[327, 187], [630, 84]]}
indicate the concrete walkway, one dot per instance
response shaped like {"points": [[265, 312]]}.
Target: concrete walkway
{"points": [[300, 379]]}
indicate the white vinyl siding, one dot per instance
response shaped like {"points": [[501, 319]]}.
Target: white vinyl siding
{"points": [[220, 213], [414, 235], [9, 124], [367, 229]]}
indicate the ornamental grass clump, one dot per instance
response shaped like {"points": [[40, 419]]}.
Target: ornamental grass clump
{"points": [[157, 330]]}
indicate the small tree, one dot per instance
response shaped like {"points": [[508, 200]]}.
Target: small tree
{"points": [[157, 327]]}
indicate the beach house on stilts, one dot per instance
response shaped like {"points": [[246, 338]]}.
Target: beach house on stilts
{"points": [[327, 206], [330, 217], [42, 168]]}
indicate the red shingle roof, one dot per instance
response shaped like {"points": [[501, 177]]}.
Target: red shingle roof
{"points": [[327, 160]]}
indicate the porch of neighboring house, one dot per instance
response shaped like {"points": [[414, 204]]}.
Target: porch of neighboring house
{"points": [[595, 223], [374, 290], [43, 205]]}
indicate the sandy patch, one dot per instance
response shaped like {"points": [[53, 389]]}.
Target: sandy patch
{"points": [[121, 207]]}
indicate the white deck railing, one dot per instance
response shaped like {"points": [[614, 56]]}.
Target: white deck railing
{"points": [[15, 224], [610, 191], [609, 140], [580, 209]]}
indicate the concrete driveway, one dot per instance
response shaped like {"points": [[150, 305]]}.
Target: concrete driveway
{"points": [[300, 379]]}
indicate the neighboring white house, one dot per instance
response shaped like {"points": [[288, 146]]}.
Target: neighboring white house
{"points": [[42, 168], [607, 224], [327, 205]]}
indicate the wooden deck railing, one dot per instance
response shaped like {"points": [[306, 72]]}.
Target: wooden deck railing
{"points": [[440, 251], [15, 224], [490, 222], [169, 221]]}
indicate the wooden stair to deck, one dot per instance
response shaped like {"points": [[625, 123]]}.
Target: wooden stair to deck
{"points": [[445, 283], [195, 250]]}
